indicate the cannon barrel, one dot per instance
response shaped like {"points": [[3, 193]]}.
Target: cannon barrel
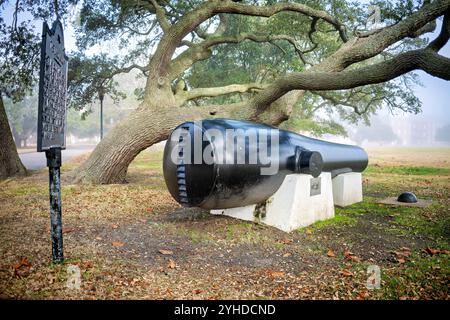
{"points": [[224, 163]]}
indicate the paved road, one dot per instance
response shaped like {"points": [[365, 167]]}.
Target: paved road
{"points": [[36, 160]]}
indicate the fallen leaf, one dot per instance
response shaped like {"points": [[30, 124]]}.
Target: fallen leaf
{"points": [[401, 260], [348, 253], [363, 295], [172, 264], [331, 253], [68, 230], [23, 263], [286, 241], [346, 273], [197, 291], [351, 256], [98, 238], [402, 253], [354, 258], [117, 244], [432, 251], [287, 254], [149, 210], [165, 252], [276, 274]]}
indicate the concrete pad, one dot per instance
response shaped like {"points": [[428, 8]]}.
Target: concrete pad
{"points": [[421, 203], [300, 201], [347, 189]]}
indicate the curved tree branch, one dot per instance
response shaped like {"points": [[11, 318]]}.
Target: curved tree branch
{"points": [[268, 11], [202, 51], [425, 59], [208, 9], [161, 16], [444, 35], [347, 103], [183, 96]]}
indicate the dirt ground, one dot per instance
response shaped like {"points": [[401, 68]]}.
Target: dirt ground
{"points": [[133, 241]]}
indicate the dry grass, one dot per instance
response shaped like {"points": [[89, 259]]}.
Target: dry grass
{"points": [[428, 157], [113, 233]]}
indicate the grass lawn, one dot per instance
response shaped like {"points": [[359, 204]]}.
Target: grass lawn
{"points": [[133, 241]]}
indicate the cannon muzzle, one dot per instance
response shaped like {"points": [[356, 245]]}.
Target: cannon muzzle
{"points": [[223, 163]]}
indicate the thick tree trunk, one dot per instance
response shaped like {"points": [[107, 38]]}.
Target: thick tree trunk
{"points": [[149, 125], [10, 164], [109, 161]]}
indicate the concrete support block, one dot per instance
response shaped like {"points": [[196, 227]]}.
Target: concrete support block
{"points": [[300, 201], [347, 189]]}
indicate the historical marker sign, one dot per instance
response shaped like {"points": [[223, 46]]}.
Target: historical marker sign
{"points": [[52, 89], [52, 122]]}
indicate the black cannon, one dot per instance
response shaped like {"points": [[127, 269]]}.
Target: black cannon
{"points": [[224, 163]]}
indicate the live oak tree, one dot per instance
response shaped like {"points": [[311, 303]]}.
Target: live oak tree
{"points": [[328, 60], [169, 40]]}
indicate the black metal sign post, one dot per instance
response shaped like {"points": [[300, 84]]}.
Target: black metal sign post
{"points": [[52, 121]]}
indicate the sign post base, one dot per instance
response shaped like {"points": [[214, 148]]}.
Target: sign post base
{"points": [[54, 163]]}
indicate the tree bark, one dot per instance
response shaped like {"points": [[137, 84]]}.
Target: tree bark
{"points": [[10, 164], [149, 125]]}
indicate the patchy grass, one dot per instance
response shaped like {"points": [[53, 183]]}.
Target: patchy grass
{"points": [[114, 234], [401, 170], [420, 273], [340, 219]]}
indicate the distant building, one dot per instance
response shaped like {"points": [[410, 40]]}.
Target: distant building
{"points": [[414, 132]]}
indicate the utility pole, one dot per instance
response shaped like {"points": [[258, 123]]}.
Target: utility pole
{"points": [[101, 95]]}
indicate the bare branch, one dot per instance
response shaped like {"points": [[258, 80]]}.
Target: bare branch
{"points": [[141, 33], [347, 103]]}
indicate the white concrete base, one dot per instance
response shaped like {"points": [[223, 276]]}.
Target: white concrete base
{"points": [[347, 189], [292, 206]]}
